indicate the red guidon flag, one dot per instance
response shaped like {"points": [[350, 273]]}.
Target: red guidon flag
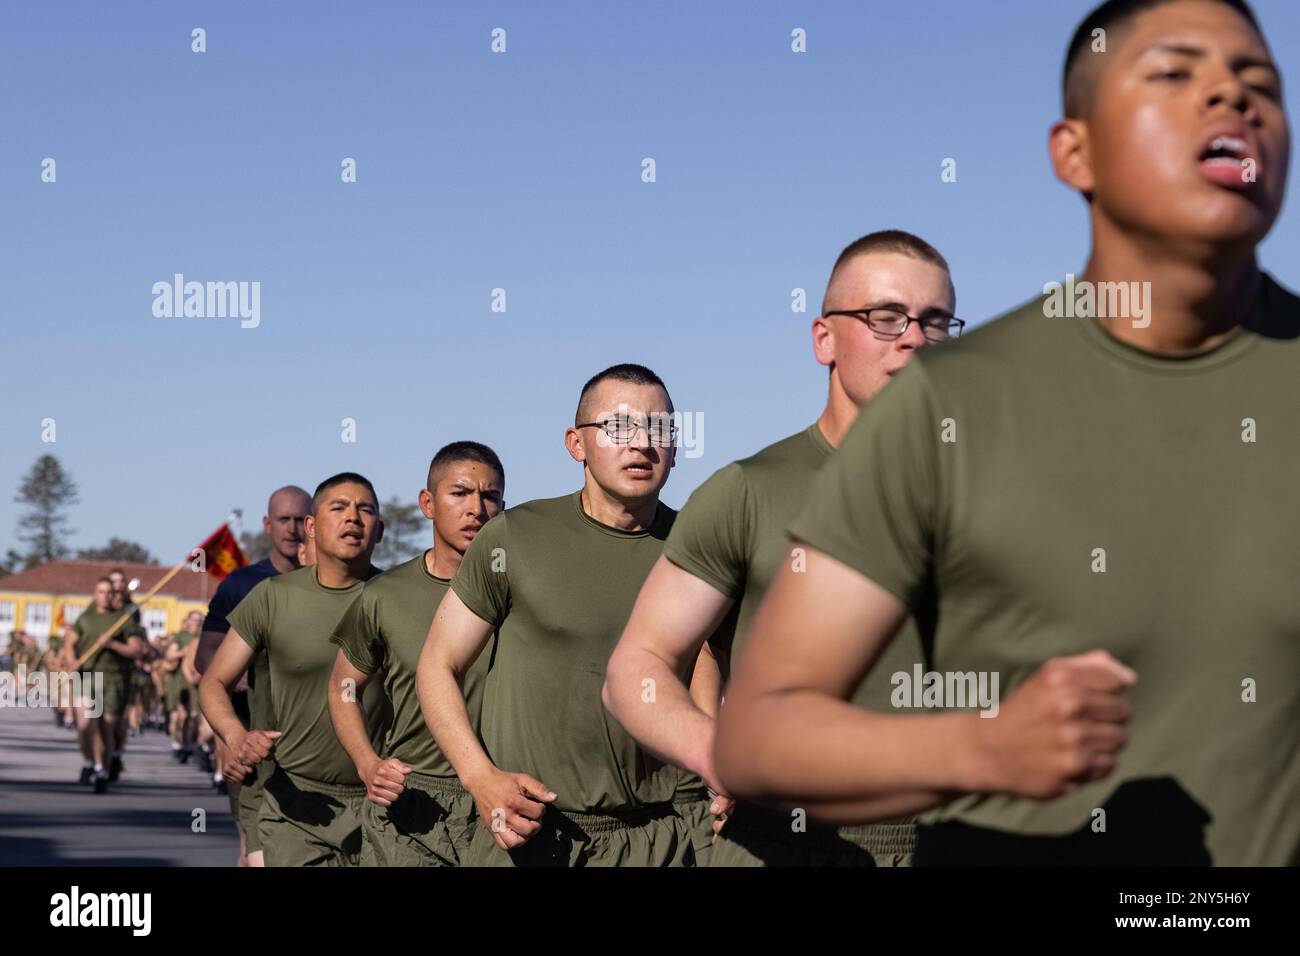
{"points": [[221, 553]]}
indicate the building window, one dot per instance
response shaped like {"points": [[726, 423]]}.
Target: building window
{"points": [[71, 612], [6, 616], [155, 622], [36, 615]]}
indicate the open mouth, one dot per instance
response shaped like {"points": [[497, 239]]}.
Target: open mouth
{"points": [[351, 536], [642, 469], [1226, 158]]}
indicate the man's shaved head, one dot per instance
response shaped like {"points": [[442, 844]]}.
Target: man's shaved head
{"points": [[289, 498], [1083, 65], [286, 511]]}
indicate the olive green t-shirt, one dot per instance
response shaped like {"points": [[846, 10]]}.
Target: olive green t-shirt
{"points": [[731, 534], [559, 587], [90, 625], [384, 629], [291, 616], [1055, 490]]}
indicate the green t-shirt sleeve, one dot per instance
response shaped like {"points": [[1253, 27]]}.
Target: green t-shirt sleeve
{"points": [[876, 505], [483, 579], [710, 538], [357, 633], [251, 618]]}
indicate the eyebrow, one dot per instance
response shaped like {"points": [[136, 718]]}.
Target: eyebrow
{"points": [[1242, 61]]}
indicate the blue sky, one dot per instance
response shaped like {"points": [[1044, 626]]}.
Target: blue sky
{"points": [[478, 171]]}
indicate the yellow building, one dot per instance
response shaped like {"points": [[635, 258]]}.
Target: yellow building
{"points": [[31, 600]]}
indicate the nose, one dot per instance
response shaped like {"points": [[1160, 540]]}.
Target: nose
{"points": [[1226, 88], [641, 437], [912, 338]]}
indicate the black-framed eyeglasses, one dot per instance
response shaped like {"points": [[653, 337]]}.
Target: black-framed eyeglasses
{"points": [[621, 430], [891, 323]]}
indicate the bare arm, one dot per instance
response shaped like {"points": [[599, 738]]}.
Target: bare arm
{"points": [[229, 664], [209, 642], [666, 636], [384, 779], [510, 803], [787, 727], [132, 648], [188, 656]]}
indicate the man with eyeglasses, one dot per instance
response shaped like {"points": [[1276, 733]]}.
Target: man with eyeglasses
{"points": [[556, 781], [889, 294], [1099, 511]]}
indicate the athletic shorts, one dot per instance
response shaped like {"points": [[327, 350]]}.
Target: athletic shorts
{"points": [[117, 692], [430, 824], [250, 795], [693, 807], [178, 693], [141, 687], [308, 823], [758, 836], [653, 835]]}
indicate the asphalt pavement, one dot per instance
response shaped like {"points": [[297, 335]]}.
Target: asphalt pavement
{"points": [[148, 817]]}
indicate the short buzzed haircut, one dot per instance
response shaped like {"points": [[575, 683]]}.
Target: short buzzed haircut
{"points": [[887, 240], [1083, 67], [892, 240], [342, 478], [104, 580], [464, 451], [628, 372], [115, 571]]}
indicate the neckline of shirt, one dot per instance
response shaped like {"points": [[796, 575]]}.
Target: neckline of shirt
{"points": [[424, 567], [1237, 343], [609, 529], [328, 590], [814, 432]]}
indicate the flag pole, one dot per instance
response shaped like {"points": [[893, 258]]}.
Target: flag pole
{"points": [[103, 638]]}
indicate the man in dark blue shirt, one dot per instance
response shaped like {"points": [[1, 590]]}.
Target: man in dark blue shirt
{"points": [[285, 512]]}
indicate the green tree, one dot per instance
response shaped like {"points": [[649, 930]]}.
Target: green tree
{"points": [[46, 491], [118, 550], [255, 546], [11, 562], [405, 533]]}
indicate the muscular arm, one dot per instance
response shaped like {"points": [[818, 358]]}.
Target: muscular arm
{"points": [[510, 803], [787, 726], [456, 638], [666, 635], [209, 642], [227, 667], [347, 715]]}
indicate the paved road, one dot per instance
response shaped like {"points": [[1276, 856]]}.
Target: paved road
{"points": [[47, 819]]}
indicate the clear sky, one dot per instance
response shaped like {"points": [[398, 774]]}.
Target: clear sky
{"points": [[479, 170]]}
